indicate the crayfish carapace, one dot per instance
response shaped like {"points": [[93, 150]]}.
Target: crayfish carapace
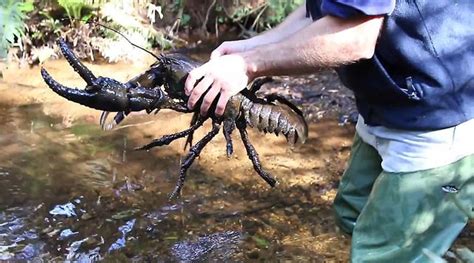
{"points": [[162, 87]]}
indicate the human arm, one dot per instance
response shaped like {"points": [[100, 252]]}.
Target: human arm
{"points": [[327, 42], [293, 23]]}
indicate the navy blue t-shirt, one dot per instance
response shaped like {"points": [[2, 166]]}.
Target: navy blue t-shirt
{"points": [[348, 8], [421, 74]]}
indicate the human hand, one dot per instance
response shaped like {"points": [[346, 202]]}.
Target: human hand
{"points": [[228, 75]]}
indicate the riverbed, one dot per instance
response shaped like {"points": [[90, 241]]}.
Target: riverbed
{"points": [[74, 192]]}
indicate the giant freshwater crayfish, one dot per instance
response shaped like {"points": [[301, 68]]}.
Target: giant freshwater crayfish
{"points": [[162, 87]]}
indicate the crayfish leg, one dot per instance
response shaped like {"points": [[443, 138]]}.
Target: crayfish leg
{"points": [[189, 139], [167, 139], [191, 156], [229, 126], [253, 155], [118, 118]]}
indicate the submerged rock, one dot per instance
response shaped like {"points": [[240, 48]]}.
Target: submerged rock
{"points": [[64, 210], [219, 246]]}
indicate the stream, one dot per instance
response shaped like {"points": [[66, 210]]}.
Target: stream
{"points": [[72, 192]]}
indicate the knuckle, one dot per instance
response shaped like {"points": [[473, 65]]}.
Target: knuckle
{"points": [[210, 75], [206, 102], [193, 98], [193, 75]]}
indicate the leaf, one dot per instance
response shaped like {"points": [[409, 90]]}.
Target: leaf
{"points": [[465, 254], [185, 19], [27, 6], [12, 26], [263, 243], [86, 18], [432, 256], [125, 214]]}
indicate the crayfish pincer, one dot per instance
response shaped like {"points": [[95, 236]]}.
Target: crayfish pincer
{"points": [[162, 87]]}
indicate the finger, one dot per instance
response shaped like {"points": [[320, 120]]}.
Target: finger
{"points": [[221, 104], [216, 53], [197, 92], [192, 78], [209, 98], [219, 51]]}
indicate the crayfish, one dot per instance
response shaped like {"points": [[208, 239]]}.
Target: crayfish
{"points": [[162, 87]]}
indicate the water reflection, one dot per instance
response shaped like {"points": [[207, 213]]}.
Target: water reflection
{"points": [[125, 229], [17, 240], [64, 210]]}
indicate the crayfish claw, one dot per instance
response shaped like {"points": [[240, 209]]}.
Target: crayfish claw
{"points": [[76, 64], [68, 93]]}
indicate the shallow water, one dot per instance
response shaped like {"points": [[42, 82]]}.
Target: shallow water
{"points": [[63, 197], [74, 192]]}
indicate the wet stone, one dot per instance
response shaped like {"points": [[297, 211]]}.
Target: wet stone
{"points": [[66, 210], [86, 216], [251, 226], [121, 242], [66, 233], [253, 254], [217, 246]]}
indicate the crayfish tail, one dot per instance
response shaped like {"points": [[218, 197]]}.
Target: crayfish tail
{"points": [[276, 115]]}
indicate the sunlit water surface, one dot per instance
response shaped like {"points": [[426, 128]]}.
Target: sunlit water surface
{"points": [[71, 191]]}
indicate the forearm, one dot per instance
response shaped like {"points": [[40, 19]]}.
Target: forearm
{"points": [[327, 42], [293, 23]]}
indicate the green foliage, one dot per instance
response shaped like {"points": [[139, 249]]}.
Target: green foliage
{"points": [[257, 18], [12, 25], [185, 19], [261, 242], [279, 9], [74, 10]]}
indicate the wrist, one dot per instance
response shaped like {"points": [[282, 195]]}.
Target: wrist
{"points": [[251, 63]]}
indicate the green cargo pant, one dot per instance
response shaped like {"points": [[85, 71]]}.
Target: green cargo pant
{"points": [[394, 216]]}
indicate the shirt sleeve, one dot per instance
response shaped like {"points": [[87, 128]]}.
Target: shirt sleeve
{"points": [[352, 8]]}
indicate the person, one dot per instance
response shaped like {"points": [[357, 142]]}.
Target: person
{"points": [[409, 186]]}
